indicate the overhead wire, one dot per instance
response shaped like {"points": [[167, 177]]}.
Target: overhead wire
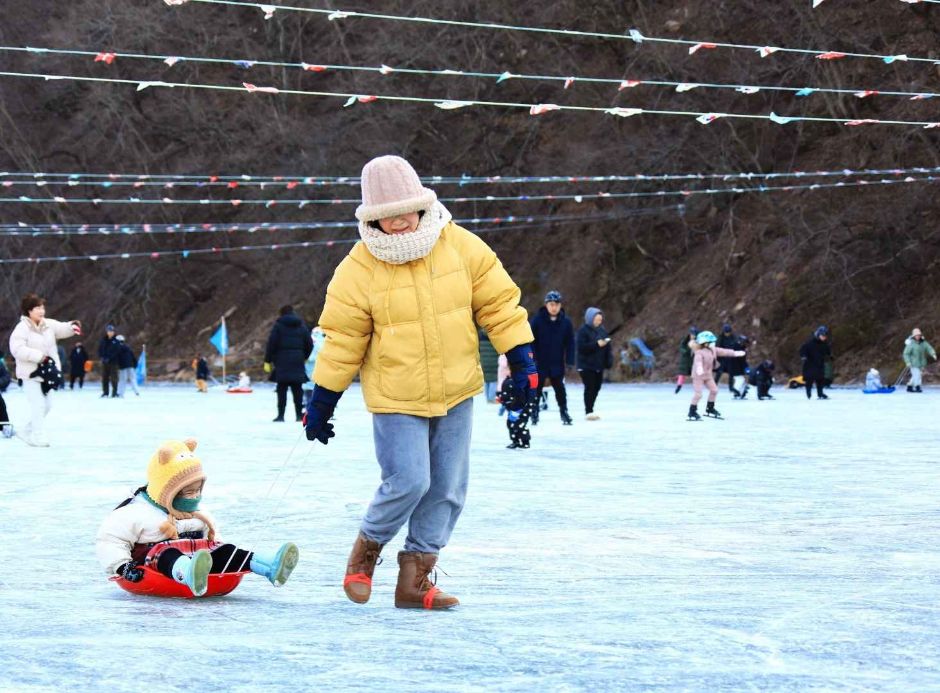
{"points": [[535, 109]]}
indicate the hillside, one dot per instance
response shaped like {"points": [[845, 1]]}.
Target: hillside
{"points": [[861, 259]]}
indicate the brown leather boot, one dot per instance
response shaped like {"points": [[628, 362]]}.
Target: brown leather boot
{"points": [[415, 590], [362, 561]]}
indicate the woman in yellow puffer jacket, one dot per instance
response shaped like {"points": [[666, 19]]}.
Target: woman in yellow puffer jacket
{"points": [[401, 310]]}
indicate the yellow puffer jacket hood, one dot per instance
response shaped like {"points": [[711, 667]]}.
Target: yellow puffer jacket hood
{"points": [[410, 327]]}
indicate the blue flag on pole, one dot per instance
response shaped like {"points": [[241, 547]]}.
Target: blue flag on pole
{"points": [[141, 373], [220, 339]]}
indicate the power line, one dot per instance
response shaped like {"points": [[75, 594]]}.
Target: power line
{"points": [[200, 180], [576, 197], [568, 80], [158, 254], [119, 230], [630, 35], [449, 104]]}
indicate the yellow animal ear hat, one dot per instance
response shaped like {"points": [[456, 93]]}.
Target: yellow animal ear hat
{"points": [[173, 467]]}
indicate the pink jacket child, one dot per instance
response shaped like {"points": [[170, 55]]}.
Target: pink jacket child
{"points": [[162, 526], [703, 365]]}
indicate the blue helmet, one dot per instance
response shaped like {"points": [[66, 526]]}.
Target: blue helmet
{"points": [[552, 296], [706, 337], [821, 331], [693, 330]]}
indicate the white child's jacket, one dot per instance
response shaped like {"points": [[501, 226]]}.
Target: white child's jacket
{"points": [[138, 522]]}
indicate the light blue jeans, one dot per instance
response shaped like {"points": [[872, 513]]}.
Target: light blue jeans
{"points": [[425, 467]]}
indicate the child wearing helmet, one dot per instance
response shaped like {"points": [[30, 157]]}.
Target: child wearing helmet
{"points": [[162, 526], [703, 366]]}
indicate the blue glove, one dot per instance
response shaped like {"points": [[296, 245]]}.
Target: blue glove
{"points": [[319, 412], [525, 376]]}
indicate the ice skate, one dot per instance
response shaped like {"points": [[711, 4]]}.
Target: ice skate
{"points": [[565, 418], [544, 405], [918, 389], [711, 412], [8, 431], [693, 413], [910, 388], [592, 417], [678, 387], [823, 396]]}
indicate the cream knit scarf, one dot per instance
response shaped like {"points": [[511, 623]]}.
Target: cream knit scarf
{"points": [[399, 248]]}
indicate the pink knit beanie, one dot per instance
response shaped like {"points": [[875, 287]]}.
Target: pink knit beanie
{"points": [[391, 187]]}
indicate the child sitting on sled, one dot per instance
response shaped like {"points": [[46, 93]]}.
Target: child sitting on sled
{"points": [[873, 384], [162, 527]]}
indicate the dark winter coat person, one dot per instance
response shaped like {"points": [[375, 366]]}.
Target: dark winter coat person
{"points": [[289, 345], [489, 362], [685, 358], [595, 355], [6, 428], [77, 360], [814, 354], [108, 349], [402, 310], [726, 340], [763, 378], [554, 348], [125, 357]]}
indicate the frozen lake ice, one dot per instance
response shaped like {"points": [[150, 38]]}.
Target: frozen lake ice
{"points": [[792, 546]]}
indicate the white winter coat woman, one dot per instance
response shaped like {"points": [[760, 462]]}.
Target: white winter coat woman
{"points": [[30, 343]]}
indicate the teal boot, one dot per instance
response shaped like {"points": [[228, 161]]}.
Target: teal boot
{"points": [[276, 568], [193, 571]]}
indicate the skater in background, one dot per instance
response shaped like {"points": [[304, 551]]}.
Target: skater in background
{"points": [[703, 365], [594, 357], [108, 350], [78, 357], [33, 345], [916, 351], [814, 354], [762, 378], [402, 310], [685, 358], [729, 341], [201, 366], [554, 350], [489, 362], [317, 337], [127, 367], [289, 346], [6, 428], [162, 526], [739, 369], [502, 372]]}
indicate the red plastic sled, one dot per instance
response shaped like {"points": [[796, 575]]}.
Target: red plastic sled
{"points": [[239, 390], [156, 584]]}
